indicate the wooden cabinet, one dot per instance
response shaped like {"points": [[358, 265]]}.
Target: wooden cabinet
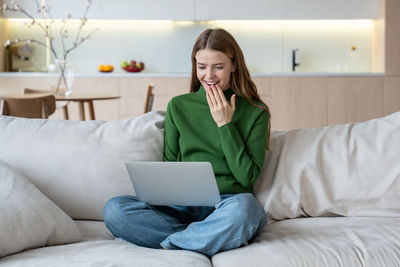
{"points": [[295, 102]]}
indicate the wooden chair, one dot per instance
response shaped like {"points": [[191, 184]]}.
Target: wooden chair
{"points": [[28, 107], [59, 104], [148, 104]]}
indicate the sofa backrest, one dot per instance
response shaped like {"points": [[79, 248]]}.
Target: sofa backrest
{"points": [[80, 165], [340, 170]]}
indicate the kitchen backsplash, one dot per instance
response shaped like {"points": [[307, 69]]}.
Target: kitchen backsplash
{"points": [[165, 46]]}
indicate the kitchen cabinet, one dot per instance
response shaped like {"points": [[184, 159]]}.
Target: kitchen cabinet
{"points": [[76, 8], [234, 9], [116, 9], [328, 9], [29, 6], [294, 102], [148, 9], [200, 10], [286, 9]]}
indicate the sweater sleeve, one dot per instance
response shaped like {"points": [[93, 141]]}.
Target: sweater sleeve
{"points": [[245, 158], [171, 136]]}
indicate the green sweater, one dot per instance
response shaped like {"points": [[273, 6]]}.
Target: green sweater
{"points": [[236, 150]]}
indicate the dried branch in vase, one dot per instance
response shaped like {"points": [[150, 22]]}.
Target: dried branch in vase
{"points": [[46, 22]]}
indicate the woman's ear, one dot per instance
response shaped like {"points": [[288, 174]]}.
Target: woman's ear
{"points": [[233, 67]]}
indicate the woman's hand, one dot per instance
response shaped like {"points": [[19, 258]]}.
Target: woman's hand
{"points": [[221, 110]]}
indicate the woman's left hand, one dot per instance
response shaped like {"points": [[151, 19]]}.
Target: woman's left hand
{"points": [[221, 110]]}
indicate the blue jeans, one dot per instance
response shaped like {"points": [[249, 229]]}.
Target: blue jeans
{"points": [[234, 221]]}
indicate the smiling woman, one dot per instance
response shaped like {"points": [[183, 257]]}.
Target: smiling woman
{"points": [[221, 121]]}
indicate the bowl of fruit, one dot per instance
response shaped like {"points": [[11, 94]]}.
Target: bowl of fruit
{"points": [[133, 66]]}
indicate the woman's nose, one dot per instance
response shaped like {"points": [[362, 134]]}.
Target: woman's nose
{"points": [[210, 74]]}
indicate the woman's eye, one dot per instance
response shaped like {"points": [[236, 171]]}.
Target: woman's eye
{"points": [[201, 68], [220, 68]]}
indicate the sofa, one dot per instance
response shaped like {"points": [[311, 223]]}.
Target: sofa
{"points": [[332, 195]]}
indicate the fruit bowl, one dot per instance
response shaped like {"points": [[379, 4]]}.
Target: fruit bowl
{"points": [[133, 66], [134, 69]]}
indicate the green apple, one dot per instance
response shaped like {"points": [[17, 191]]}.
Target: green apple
{"points": [[124, 64], [140, 65]]}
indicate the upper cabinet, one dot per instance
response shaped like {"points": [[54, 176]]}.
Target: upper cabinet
{"points": [[286, 9], [147, 9], [115, 9], [237, 10], [333, 9], [29, 6], [208, 9]]}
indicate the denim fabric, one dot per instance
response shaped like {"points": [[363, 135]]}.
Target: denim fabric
{"points": [[234, 221]]}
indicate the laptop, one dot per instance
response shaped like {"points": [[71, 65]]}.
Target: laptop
{"points": [[174, 183]]}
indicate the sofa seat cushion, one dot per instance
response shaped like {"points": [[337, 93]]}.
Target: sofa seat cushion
{"points": [[93, 230], [104, 253], [315, 242], [79, 165]]}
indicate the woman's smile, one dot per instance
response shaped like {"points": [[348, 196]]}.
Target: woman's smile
{"points": [[214, 68]]}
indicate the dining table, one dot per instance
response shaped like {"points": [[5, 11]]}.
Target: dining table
{"points": [[74, 97], [86, 98]]}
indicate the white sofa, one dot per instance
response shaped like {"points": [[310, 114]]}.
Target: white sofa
{"points": [[332, 195]]}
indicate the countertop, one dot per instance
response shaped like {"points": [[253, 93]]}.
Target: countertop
{"points": [[180, 74]]}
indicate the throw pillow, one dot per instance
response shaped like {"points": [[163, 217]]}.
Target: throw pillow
{"points": [[346, 170], [79, 165], [28, 219]]}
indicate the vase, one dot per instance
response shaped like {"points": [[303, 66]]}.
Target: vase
{"points": [[61, 77]]}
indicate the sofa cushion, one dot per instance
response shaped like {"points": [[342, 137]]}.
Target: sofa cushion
{"points": [[28, 218], [349, 170], [316, 242], [105, 253], [79, 165]]}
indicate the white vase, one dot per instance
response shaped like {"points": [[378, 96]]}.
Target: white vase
{"points": [[61, 77]]}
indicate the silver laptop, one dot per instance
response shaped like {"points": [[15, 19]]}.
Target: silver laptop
{"points": [[174, 183]]}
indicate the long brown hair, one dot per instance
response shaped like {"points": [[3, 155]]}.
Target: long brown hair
{"points": [[240, 82]]}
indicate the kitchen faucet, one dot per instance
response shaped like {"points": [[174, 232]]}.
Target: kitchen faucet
{"points": [[294, 62]]}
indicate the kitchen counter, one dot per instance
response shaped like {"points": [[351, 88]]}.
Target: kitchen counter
{"points": [[181, 74], [297, 100]]}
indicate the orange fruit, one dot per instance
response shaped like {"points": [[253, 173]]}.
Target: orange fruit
{"points": [[106, 68]]}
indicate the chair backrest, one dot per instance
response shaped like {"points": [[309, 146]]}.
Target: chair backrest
{"points": [[34, 91], [28, 107], [148, 104]]}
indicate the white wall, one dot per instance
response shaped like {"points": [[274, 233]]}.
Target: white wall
{"points": [[165, 46]]}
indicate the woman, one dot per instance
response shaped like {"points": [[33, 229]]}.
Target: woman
{"points": [[204, 126]]}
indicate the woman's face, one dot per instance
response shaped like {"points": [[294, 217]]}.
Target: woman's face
{"points": [[213, 68]]}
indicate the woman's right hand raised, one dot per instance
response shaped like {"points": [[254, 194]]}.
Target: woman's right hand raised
{"points": [[221, 110]]}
